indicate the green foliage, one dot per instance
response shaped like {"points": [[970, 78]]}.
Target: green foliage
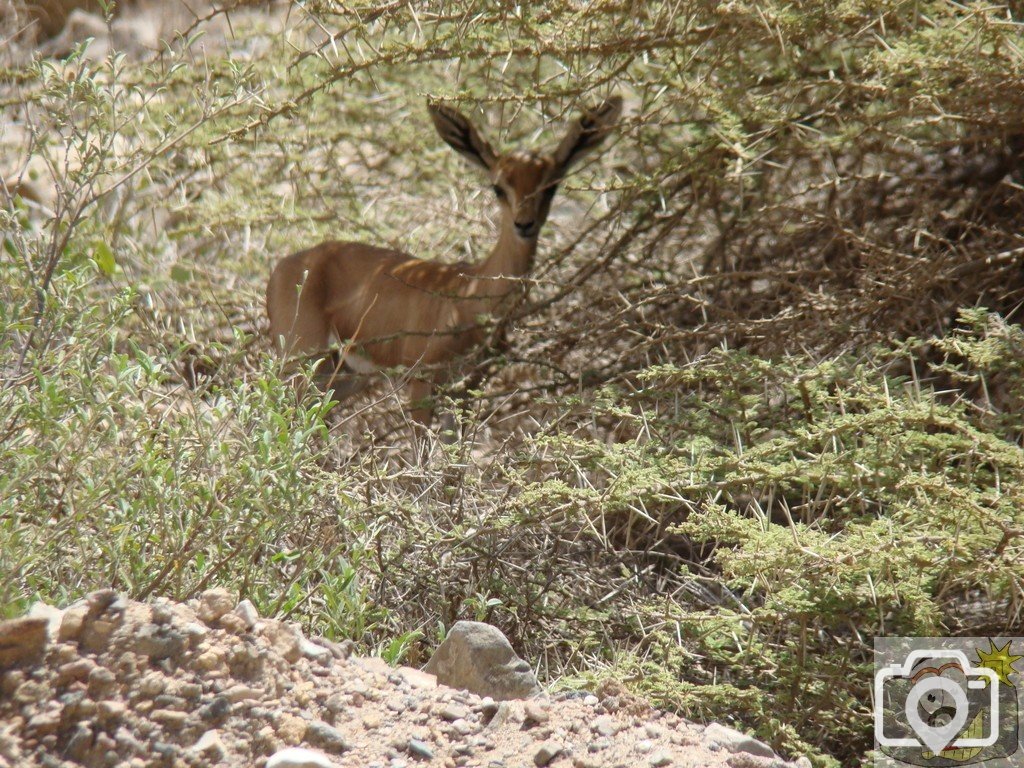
{"points": [[843, 500]]}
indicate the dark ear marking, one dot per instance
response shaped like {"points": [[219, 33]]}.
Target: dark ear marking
{"points": [[460, 134], [587, 132]]}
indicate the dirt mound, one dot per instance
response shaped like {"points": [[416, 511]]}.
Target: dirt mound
{"points": [[109, 682]]}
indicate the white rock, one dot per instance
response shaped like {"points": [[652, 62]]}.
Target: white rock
{"points": [[315, 652], [299, 757], [247, 612]]}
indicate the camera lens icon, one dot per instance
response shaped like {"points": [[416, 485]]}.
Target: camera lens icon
{"points": [[947, 709], [938, 703]]}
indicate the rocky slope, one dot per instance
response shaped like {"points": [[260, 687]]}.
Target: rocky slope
{"points": [[109, 682]]}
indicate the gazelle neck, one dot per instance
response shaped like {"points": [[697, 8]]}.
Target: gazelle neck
{"points": [[509, 262]]}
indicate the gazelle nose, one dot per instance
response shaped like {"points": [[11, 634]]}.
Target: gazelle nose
{"points": [[529, 229]]}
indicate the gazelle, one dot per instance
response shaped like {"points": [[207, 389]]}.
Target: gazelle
{"points": [[388, 308]]}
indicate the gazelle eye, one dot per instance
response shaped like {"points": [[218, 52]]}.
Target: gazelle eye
{"points": [[499, 192]]}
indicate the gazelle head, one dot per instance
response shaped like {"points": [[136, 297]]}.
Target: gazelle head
{"points": [[525, 182]]}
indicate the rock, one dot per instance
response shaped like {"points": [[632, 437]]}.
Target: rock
{"points": [[74, 670], [159, 641], [247, 612], [660, 759], [315, 652], [52, 615], [320, 734], [233, 624], [478, 657], [110, 710], [546, 752], [452, 712], [419, 749], [735, 741], [290, 729], [22, 641], [284, 639], [72, 622], [535, 714], [374, 664], [417, 678], [171, 719], [298, 757], [210, 745], [213, 604]]}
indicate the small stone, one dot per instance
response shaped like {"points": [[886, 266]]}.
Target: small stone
{"points": [[372, 721], [298, 757], [159, 641], [210, 660], [605, 726], [169, 718], [233, 624], [72, 622], [320, 734], [152, 685], [736, 741], [591, 700], [53, 617], [374, 664], [213, 604], [660, 759], [283, 639], [22, 641], [44, 723], [535, 713], [74, 670], [109, 709], [419, 749], [101, 680], [247, 612], [417, 678], [290, 729], [315, 652], [546, 752], [211, 745], [453, 712], [216, 710], [162, 612], [237, 693]]}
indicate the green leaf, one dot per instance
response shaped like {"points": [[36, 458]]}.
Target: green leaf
{"points": [[180, 274], [104, 258]]}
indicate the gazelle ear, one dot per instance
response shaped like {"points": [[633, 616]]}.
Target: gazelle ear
{"points": [[587, 132], [462, 136]]}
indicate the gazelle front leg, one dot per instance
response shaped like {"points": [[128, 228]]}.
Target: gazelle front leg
{"points": [[421, 406]]}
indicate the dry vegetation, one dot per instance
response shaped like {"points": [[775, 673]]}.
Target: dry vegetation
{"points": [[761, 404]]}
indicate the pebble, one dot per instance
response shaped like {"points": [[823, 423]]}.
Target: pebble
{"points": [[418, 748], [247, 612], [546, 752], [298, 757], [659, 759], [213, 604], [320, 734], [169, 718], [211, 745]]}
